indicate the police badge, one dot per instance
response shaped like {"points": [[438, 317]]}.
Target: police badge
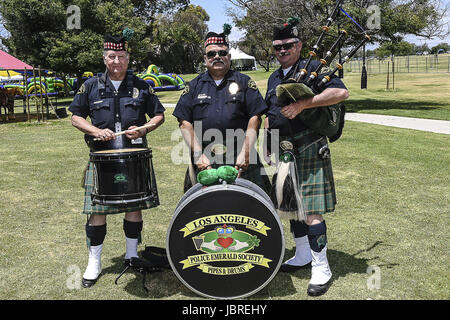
{"points": [[135, 93], [233, 88]]}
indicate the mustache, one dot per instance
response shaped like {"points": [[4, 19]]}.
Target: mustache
{"points": [[218, 61]]}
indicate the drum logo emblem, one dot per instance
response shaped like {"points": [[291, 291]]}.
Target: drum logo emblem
{"points": [[225, 244], [120, 178]]}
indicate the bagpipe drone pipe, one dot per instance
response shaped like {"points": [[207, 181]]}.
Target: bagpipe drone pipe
{"points": [[326, 121]]}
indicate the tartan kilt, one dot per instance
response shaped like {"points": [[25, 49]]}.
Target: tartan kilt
{"points": [[90, 208], [315, 178]]}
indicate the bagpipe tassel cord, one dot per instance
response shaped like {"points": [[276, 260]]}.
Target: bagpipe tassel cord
{"points": [[190, 178], [289, 201], [192, 174]]}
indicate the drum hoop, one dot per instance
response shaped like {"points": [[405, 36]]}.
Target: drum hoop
{"points": [[144, 196], [234, 188], [108, 156], [244, 181]]}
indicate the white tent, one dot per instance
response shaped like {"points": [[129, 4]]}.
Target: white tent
{"points": [[241, 60]]}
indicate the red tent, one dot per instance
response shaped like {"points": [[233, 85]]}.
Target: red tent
{"points": [[8, 62]]}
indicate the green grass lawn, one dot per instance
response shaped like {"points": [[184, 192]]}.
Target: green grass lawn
{"points": [[393, 193], [423, 95], [415, 95]]}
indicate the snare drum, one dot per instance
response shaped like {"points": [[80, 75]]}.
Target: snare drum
{"points": [[123, 176], [225, 241]]}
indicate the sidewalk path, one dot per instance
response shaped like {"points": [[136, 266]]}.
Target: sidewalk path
{"points": [[437, 126]]}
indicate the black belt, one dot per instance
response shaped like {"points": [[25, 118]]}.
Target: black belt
{"points": [[299, 142]]}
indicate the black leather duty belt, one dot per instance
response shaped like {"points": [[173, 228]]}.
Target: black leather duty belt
{"points": [[295, 143]]}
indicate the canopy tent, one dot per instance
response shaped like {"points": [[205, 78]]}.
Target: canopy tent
{"points": [[11, 66], [241, 60]]}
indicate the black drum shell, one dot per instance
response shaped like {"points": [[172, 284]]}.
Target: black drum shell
{"points": [[242, 199], [121, 177]]}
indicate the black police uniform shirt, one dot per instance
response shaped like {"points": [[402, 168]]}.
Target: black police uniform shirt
{"points": [[276, 119], [229, 105], [134, 103]]}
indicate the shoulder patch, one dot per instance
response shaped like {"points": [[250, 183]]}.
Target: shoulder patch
{"points": [[186, 90], [82, 89], [252, 84], [150, 89]]}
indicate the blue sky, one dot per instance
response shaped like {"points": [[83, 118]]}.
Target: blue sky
{"points": [[217, 13], [216, 10]]}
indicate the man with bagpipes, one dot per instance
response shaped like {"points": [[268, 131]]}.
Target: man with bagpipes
{"points": [[304, 106]]}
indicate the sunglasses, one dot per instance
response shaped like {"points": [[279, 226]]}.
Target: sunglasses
{"points": [[212, 54], [285, 46]]}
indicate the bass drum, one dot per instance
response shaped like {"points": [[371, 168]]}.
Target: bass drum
{"points": [[225, 241], [240, 182]]}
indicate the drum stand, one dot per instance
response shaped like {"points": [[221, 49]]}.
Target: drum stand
{"points": [[155, 261]]}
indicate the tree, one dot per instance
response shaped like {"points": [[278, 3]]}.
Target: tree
{"points": [[398, 18], [445, 47], [39, 33], [179, 40], [402, 48], [421, 49]]}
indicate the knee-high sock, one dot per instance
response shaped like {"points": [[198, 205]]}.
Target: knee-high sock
{"points": [[133, 237]]}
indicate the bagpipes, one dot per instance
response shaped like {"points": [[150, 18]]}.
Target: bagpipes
{"points": [[326, 121]]}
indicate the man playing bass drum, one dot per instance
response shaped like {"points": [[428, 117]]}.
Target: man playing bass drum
{"points": [[314, 172]]}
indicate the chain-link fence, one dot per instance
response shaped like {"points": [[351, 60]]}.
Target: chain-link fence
{"points": [[402, 64]]}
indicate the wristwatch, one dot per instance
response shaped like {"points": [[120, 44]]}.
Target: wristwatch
{"points": [[196, 155]]}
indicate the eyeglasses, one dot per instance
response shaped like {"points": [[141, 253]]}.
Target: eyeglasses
{"points": [[113, 57], [285, 46], [212, 54]]}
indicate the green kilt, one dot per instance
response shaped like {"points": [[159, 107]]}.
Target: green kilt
{"points": [[315, 177], [90, 208]]}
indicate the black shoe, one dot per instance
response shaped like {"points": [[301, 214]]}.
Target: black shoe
{"points": [[86, 283], [289, 268], [318, 289]]}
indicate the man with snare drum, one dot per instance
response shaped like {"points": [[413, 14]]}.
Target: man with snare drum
{"points": [[116, 101]]}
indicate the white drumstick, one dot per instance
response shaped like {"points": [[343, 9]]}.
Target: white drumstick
{"points": [[148, 125]]}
